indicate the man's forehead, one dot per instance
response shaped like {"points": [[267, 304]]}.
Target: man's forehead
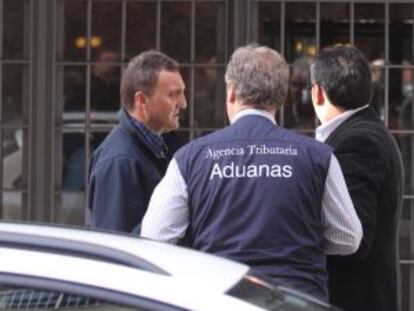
{"points": [[172, 78]]}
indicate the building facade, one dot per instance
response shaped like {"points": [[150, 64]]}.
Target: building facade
{"points": [[61, 61]]}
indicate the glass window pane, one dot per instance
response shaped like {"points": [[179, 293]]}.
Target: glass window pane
{"points": [[269, 24], [406, 227], [401, 114], [378, 88], [300, 30], [71, 208], [97, 137], [13, 31], [209, 97], [12, 205], [140, 28], [74, 89], [13, 149], [407, 282], [406, 143], [73, 160], [335, 23], [370, 29], [176, 30], [106, 36], [298, 111], [12, 99], [401, 33], [74, 30], [105, 80], [210, 27], [184, 136]]}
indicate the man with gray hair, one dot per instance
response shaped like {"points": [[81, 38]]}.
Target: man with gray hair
{"points": [[255, 192]]}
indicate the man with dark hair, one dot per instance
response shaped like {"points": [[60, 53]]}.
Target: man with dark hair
{"points": [[371, 162], [132, 159], [255, 192]]}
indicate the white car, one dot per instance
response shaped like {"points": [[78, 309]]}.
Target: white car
{"points": [[48, 267]]}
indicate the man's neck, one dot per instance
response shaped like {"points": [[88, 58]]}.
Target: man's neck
{"points": [[241, 107], [331, 112]]}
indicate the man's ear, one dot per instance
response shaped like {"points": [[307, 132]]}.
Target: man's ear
{"points": [[231, 93], [318, 95], [140, 101]]}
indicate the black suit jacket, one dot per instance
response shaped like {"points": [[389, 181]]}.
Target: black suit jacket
{"points": [[371, 163]]}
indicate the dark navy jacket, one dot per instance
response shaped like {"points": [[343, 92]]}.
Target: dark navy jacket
{"points": [[255, 196], [123, 173]]}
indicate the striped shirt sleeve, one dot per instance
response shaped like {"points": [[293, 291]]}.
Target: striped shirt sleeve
{"points": [[343, 230], [167, 216]]}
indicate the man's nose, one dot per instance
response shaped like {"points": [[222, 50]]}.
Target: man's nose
{"points": [[183, 103]]}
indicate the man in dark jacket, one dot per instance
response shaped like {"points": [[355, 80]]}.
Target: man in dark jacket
{"points": [[127, 166], [371, 162]]}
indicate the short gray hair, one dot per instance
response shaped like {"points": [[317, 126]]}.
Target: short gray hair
{"points": [[260, 76]]}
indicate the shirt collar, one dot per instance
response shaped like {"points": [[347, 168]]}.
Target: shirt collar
{"points": [[256, 112], [323, 131], [154, 141]]}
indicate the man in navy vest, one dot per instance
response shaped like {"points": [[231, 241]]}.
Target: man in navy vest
{"points": [[255, 192]]}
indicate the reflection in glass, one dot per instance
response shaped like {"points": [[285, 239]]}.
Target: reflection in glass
{"points": [[73, 159], [378, 87], [176, 30], [209, 97], [74, 30], [401, 32], [401, 91], [184, 136], [406, 144], [269, 24], [74, 89], [140, 28], [105, 81], [70, 208], [12, 97], [405, 228], [106, 35], [407, 275], [97, 137], [300, 30], [210, 27], [12, 206], [298, 111], [201, 133], [13, 159], [334, 23], [370, 30], [13, 26]]}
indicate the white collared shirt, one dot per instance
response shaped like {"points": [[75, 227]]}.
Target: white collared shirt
{"points": [[323, 131], [255, 112]]}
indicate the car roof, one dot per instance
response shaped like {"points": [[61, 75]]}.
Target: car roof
{"points": [[185, 264]]}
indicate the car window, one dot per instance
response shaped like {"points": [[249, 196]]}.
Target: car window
{"points": [[260, 293], [33, 299]]}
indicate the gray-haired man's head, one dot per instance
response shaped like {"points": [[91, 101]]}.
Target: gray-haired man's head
{"points": [[259, 76]]}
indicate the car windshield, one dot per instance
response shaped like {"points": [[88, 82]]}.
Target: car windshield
{"points": [[255, 290]]}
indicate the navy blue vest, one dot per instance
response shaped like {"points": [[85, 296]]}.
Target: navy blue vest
{"points": [[255, 193]]}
